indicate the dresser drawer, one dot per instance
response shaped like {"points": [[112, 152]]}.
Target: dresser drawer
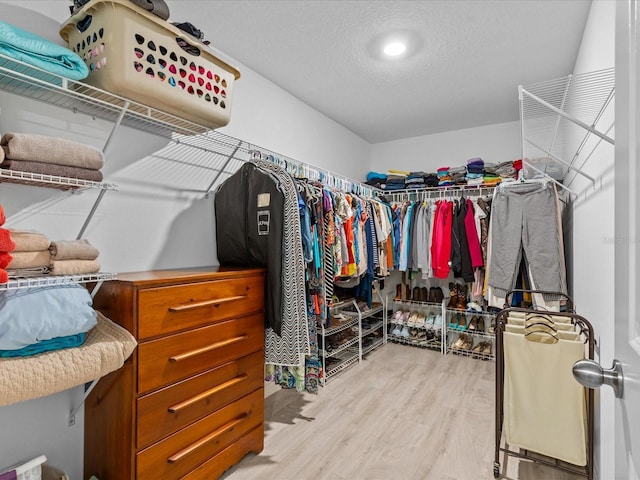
{"points": [[172, 408], [182, 452], [176, 357], [171, 309]]}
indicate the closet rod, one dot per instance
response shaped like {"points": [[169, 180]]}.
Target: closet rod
{"points": [[326, 177]]}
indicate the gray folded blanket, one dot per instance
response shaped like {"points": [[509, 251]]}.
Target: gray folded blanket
{"points": [[40, 148], [73, 250], [43, 168]]}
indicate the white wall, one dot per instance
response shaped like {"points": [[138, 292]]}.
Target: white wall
{"points": [[493, 143], [147, 224], [593, 228]]}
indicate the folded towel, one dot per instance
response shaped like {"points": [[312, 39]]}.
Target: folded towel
{"points": [[517, 164], [5, 259], [73, 250], [40, 148], [57, 343], [28, 272], [44, 168], [4, 277], [2, 216], [1, 154], [37, 51], [373, 176], [74, 267], [6, 244], [30, 259], [29, 241]]}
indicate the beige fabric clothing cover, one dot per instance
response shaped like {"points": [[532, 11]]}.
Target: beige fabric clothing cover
{"points": [[106, 348], [544, 406]]}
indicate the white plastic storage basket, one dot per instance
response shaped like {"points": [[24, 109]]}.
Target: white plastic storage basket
{"points": [[135, 54], [31, 470]]}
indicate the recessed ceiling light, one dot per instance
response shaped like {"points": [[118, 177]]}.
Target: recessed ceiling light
{"points": [[393, 49]]}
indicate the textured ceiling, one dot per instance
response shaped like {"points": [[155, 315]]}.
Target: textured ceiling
{"points": [[464, 62]]}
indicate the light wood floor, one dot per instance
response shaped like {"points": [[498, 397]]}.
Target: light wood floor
{"points": [[404, 413]]}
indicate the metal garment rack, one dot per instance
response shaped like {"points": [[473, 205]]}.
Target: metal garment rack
{"points": [[585, 329], [559, 117]]}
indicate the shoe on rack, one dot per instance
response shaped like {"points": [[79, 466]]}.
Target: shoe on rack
{"points": [[437, 326], [431, 298], [462, 297], [492, 328], [486, 351], [398, 292], [396, 330], [396, 317], [468, 343], [438, 294], [481, 325], [412, 319], [405, 332], [473, 324], [462, 322], [428, 323], [477, 349], [424, 294], [416, 294], [453, 323], [459, 342], [453, 295]]}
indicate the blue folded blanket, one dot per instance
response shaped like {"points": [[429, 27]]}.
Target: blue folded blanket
{"points": [[57, 343], [37, 51], [373, 176]]}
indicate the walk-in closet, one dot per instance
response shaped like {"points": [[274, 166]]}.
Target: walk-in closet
{"points": [[319, 240]]}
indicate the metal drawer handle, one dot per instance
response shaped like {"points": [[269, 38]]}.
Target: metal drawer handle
{"points": [[210, 348], [207, 303], [212, 391], [203, 441]]}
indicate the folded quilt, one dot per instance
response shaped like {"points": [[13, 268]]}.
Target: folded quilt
{"points": [[74, 267], [29, 240], [44, 168], [34, 50], [28, 272], [41, 148], [73, 250], [106, 348], [30, 259], [57, 343]]}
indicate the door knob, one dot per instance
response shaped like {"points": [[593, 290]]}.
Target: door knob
{"points": [[591, 375]]}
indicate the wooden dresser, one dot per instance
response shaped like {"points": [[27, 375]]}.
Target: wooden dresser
{"points": [[189, 402]]}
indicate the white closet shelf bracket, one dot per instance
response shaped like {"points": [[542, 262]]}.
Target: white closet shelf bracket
{"points": [[555, 157], [87, 390]]}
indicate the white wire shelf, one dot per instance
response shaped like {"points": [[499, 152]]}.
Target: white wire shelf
{"points": [[375, 309], [434, 344], [38, 179], [373, 346], [345, 362], [559, 116], [472, 354], [373, 328], [473, 333], [55, 280], [342, 326], [336, 353], [29, 81]]}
